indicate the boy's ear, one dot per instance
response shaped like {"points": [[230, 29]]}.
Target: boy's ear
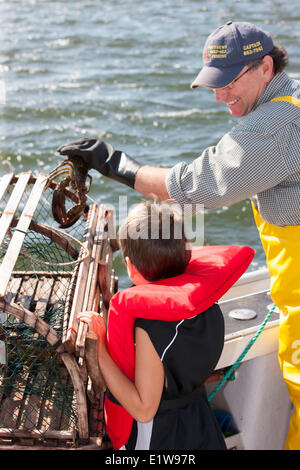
{"points": [[128, 263], [130, 267], [133, 273]]}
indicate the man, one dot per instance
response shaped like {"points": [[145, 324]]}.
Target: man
{"points": [[258, 159]]}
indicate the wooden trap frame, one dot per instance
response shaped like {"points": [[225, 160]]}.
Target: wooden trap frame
{"points": [[51, 391]]}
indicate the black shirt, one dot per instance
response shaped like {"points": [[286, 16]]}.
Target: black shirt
{"points": [[189, 350]]}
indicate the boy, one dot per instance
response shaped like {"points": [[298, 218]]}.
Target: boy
{"points": [[156, 398]]}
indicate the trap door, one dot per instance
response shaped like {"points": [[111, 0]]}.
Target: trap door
{"points": [[9, 213], [7, 216]]}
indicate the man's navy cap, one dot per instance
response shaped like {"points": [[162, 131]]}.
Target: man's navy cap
{"points": [[228, 49]]}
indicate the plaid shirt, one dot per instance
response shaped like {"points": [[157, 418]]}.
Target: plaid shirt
{"points": [[258, 159]]}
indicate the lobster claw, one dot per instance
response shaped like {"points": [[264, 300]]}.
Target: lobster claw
{"points": [[66, 218], [75, 184]]}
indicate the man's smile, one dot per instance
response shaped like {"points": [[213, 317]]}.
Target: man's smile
{"points": [[231, 103]]}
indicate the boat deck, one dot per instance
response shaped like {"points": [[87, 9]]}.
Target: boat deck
{"points": [[251, 292], [259, 303]]}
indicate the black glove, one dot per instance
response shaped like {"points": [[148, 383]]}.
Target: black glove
{"points": [[103, 157]]}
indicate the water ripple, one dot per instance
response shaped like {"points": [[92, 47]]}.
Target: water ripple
{"points": [[121, 71]]}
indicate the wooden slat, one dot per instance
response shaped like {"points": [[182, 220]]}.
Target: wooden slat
{"points": [[13, 204], [9, 410], [90, 290], [80, 286], [13, 289], [28, 317], [105, 274], [12, 404], [93, 369], [14, 408], [68, 305], [97, 417], [47, 412], [42, 274], [82, 411], [27, 291], [62, 420], [2, 354], [4, 183], [93, 269], [36, 434], [101, 268], [42, 418], [15, 245], [57, 298], [32, 406], [54, 417], [3, 377], [42, 295], [59, 292], [11, 295], [22, 411], [100, 241]]}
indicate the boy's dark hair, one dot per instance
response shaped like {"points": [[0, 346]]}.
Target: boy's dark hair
{"points": [[153, 238]]}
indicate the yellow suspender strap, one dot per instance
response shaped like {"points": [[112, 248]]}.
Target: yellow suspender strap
{"points": [[289, 99]]}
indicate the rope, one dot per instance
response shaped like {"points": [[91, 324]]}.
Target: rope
{"points": [[241, 357]]}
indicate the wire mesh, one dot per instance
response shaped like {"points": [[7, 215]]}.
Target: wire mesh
{"points": [[36, 391]]}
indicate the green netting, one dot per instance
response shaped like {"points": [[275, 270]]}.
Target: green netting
{"points": [[35, 388], [36, 391]]}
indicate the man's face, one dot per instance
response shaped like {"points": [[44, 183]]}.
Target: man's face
{"points": [[243, 93]]}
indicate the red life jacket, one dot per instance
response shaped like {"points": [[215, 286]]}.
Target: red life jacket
{"points": [[210, 273]]}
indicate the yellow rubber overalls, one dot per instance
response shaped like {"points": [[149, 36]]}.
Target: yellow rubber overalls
{"points": [[282, 248]]}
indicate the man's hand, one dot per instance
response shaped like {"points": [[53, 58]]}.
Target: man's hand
{"points": [[102, 157]]}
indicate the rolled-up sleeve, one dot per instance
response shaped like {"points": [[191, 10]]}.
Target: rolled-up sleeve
{"points": [[238, 167]]}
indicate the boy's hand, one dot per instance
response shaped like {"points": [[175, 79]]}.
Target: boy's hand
{"points": [[95, 323]]}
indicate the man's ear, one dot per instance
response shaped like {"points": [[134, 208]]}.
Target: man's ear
{"points": [[267, 68]]}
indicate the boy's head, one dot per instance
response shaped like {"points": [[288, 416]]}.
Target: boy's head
{"points": [[153, 239]]}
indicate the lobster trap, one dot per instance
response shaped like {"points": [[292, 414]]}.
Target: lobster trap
{"points": [[51, 391]]}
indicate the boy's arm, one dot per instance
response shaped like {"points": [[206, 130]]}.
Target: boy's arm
{"points": [[141, 398]]}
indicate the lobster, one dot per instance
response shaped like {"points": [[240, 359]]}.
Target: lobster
{"points": [[75, 182]]}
